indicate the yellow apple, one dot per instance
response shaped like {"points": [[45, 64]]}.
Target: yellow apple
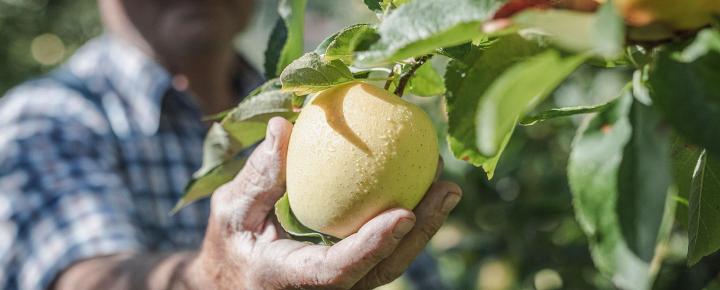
{"points": [[355, 151], [675, 14]]}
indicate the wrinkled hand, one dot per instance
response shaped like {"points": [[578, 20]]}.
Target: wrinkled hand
{"points": [[244, 247]]}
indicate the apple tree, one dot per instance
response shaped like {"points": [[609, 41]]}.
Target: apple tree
{"points": [[641, 162]]}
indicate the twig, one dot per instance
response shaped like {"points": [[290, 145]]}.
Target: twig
{"points": [[404, 78], [391, 77]]}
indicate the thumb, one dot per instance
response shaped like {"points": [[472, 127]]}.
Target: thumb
{"points": [[250, 196]]}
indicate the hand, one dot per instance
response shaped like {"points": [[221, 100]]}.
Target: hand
{"points": [[244, 248]]}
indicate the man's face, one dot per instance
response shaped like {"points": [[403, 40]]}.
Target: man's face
{"points": [[188, 25]]}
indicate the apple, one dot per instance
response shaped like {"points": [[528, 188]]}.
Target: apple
{"points": [[355, 151], [675, 14]]}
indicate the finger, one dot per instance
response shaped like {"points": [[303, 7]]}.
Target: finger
{"points": [[270, 230], [249, 197], [343, 264], [432, 211], [353, 257]]}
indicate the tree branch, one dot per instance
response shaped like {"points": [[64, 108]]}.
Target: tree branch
{"points": [[391, 77], [405, 77]]}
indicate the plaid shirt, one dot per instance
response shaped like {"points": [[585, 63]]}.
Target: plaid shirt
{"points": [[86, 173]]}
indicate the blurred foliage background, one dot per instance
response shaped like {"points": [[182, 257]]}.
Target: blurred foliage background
{"points": [[36, 35], [514, 232]]}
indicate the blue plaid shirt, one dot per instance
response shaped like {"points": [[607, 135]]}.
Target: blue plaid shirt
{"points": [[86, 173]]}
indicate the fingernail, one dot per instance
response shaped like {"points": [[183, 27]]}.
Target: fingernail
{"points": [[451, 200], [402, 228], [271, 137]]}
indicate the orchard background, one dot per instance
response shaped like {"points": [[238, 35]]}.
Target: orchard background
{"points": [[518, 230]]}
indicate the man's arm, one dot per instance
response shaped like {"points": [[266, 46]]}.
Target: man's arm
{"points": [[141, 271], [62, 199], [244, 248]]}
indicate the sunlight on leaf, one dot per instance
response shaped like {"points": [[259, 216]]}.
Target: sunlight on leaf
{"points": [[310, 74], [422, 26]]}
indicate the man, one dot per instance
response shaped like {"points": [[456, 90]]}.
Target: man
{"points": [[94, 156]]}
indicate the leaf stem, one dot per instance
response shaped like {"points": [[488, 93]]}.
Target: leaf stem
{"points": [[405, 77], [389, 79], [564, 112], [373, 69]]}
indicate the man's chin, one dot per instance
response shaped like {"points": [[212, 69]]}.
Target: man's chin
{"points": [[197, 44], [197, 36]]}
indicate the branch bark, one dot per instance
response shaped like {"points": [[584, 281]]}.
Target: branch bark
{"points": [[405, 77]]}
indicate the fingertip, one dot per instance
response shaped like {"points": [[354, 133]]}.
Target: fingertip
{"points": [[441, 196], [399, 213], [278, 131], [386, 220], [448, 187], [375, 240], [278, 125]]}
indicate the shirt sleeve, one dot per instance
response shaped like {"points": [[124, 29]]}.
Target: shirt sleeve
{"points": [[423, 273], [61, 197]]}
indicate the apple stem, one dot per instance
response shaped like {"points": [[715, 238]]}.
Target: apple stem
{"points": [[405, 77]]}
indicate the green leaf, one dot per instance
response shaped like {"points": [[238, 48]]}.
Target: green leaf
{"points": [[490, 164], [286, 39], [688, 93], [505, 101], [373, 5], [595, 160], [467, 79], [351, 39], [644, 178], [311, 73], [602, 33], [714, 285], [422, 26], [640, 87], [457, 52], [563, 112], [203, 186], [705, 42], [608, 31], [426, 82], [398, 3], [270, 85], [247, 122], [320, 49], [704, 209], [297, 230], [684, 159], [218, 147], [239, 129], [565, 28], [273, 52], [362, 74], [216, 116]]}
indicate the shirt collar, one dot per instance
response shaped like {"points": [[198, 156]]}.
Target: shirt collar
{"points": [[139, 79], [107, 64]]}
